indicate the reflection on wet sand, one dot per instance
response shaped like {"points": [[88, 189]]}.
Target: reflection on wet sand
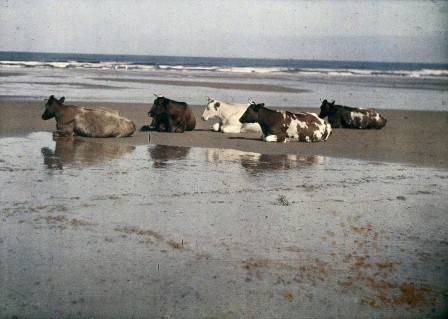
{"points": [[255, 162], [72, 151], [161, 154], [268, 162]]}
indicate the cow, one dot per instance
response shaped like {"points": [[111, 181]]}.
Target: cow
{"points": [[171, 116], [88, 122], [350, 117], [229, 115], [283, 126]]}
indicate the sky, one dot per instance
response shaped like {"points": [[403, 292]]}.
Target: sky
{"points": [[389, 31]]}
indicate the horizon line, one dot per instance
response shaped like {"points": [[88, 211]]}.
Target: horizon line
{"points": [[227, 58]]}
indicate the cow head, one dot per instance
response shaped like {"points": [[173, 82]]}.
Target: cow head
{"points": [[251, 114], [159, 106], [325, 108], [212, 109], [50, 107]]}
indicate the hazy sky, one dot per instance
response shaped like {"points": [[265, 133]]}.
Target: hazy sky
{"points": [[407, 31]]}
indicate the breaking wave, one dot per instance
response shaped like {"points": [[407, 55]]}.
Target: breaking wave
{"points": [[223, 65]]}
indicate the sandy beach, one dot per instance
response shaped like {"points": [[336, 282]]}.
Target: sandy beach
{"points": [[412, 137], [212, 225]]}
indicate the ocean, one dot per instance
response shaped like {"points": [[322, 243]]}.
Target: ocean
{"points": [[275, 82]]}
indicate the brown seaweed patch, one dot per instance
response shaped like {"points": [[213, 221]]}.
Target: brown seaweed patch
{"points": [[254, 263], [79, 222], [413, 296], [288, 296], [58, 218], [138, 231], [62, 221], [254, 267], [175, 244]]}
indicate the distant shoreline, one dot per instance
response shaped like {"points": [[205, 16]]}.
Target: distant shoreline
{"points": [[410, 137], [56, 56]]}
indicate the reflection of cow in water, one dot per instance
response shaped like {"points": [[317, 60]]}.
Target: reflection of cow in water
{"points": [[220, 155], [162, 154], [255, 163], [78, 151], [268, 162]]}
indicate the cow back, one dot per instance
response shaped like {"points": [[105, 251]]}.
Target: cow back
{"points": [[102, 123], [183, 113]]}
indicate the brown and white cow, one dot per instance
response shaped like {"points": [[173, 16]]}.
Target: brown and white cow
{"points": [[171, 116], [350, 117], [282, 126], [89, 122]]}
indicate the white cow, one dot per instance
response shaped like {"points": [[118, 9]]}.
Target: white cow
{"points": [[229, 115]]}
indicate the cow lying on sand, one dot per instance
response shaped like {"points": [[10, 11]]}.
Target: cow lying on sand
{"points": [[171, 116], [350, 117], [282, 126], [229, 115], [90, 122]]}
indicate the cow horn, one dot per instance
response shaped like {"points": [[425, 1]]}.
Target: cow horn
{"points": [[321, 100], [251, 101], [333, 101], [158, 95], [208, 98]]}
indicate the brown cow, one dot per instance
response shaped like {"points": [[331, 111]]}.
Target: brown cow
{"points": [[171, 116], [81, 121], [282, 126], [350, 117]]}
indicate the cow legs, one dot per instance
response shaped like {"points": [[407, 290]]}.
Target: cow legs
{"points": [[64, 129], [161, 127], [231, 129], [179, 129], [270, 138], [176, 129], [216, 127], [281, 138], [62, 133]]}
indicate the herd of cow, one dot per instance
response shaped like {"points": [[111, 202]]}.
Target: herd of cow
{"points": [[177, 117]]}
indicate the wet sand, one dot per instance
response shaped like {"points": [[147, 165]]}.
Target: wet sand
{"points": [[103, 230], [412, 137], [211, 225]]}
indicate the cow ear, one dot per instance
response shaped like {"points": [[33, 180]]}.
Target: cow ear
{"points": [[50, 100], [257, 107], [62, 100], [217, 104]]}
